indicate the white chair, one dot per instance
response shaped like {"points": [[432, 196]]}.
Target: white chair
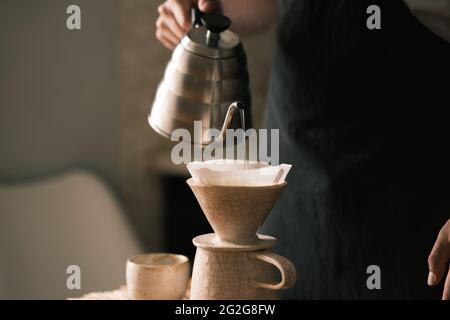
{"points": [[47, 225]]}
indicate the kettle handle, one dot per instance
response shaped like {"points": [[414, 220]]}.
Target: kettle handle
{"points": [[284, 265], [196, 17]]}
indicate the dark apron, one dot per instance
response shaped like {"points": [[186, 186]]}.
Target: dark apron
{"points": [[362, 118]]}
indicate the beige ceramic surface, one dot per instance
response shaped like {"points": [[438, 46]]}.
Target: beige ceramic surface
{"points": [[236, 213], [219, 275], [157, 276], [209, 241]]}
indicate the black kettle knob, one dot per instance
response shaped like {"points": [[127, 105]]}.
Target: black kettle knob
{"points": [[215, 23]]}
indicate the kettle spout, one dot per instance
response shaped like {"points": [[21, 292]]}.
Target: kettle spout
{"points": [[237, 105]]}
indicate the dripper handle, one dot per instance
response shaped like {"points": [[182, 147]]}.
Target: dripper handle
{"points": [[285, 266]]}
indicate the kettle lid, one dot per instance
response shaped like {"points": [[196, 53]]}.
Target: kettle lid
{"points": [[212, 39]]}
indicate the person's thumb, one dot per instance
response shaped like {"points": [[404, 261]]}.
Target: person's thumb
{"points": [[209, 5], [437, 260]]}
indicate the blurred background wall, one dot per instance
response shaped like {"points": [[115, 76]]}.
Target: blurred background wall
{"points": [[79, 100], [60, 93]]}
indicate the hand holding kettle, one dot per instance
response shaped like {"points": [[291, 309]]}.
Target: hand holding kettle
{"points": [[249, 17], [174, 19]]}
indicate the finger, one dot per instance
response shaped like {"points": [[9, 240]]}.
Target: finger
{"points": [[181, 11], [437, 260], [165, 38], [167, 18], [446, 294], [168, 44], [208, 6], [169, 35]]}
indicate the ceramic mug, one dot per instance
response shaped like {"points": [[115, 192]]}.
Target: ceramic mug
{"points": [[220, 275], [157, 276]]}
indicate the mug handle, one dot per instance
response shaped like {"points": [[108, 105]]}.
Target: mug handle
{"points": [[285, 266]]}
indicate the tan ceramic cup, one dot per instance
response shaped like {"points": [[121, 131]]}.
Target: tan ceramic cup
{"points": [[157, 276]]}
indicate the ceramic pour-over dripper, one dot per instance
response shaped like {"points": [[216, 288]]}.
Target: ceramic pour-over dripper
{"points": [[236, 212]]}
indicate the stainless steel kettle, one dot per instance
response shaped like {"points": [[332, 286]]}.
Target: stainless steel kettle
{"points": [[206, 80]]}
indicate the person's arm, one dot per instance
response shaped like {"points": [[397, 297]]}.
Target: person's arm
{"points": [[249, 16], [433, 14], [438, 261]]}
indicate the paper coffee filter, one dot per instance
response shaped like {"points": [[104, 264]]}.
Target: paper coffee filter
{"points": [[227, 164], [236, 173]]}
